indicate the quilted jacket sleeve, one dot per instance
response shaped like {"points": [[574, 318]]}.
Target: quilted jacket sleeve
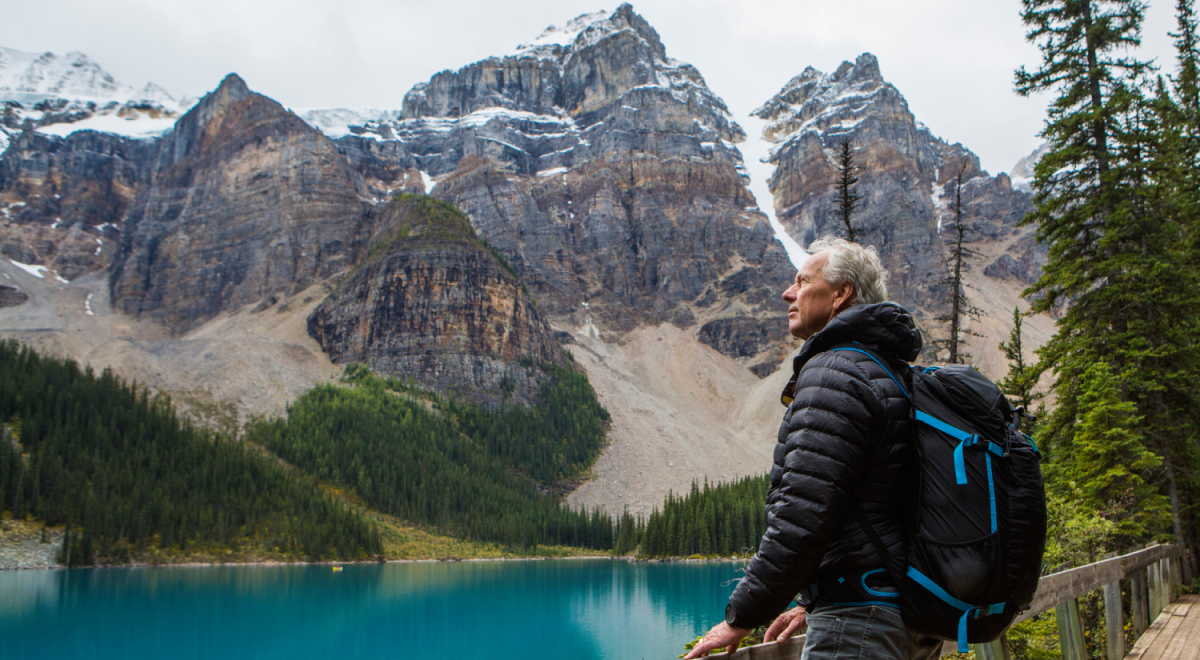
{"points": [[824, 446]]}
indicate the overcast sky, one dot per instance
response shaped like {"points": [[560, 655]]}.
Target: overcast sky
{"points": [[952, 59]]}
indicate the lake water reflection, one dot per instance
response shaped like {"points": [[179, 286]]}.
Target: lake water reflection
{"points": [[531, 610]]}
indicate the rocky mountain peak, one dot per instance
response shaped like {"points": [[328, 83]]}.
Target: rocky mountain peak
{"points": [[907, 177], [809, 101], [47, 74], [581, 70], [604, 171], [245, 204], [205, 124], [587, 29]]}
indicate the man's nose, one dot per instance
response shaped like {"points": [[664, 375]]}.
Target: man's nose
{"points": [[790, 293]]}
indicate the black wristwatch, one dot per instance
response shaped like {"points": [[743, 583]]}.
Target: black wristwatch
{"points": [[731, 618]]}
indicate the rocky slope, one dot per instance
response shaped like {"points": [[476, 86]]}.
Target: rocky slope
{"points": [[907, 183], [432, 304], [605, 172]]}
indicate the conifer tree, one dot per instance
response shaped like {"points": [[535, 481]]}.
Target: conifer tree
{"points": [[960, 306], [1109, 461], [847, 196], [1110, 248], [1022, 377]]}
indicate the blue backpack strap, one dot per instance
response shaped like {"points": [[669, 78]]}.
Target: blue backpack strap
{"points": [[881, 364], [968, 609]]}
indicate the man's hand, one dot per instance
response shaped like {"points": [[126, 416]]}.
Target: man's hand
{"points": [[785, 625], [722, 634]]}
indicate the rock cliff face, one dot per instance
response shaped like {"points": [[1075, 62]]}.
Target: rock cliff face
{"points": [[62, 200], [605, 172], [64, 186], [907, 182], [431, 303], [245, 203]]}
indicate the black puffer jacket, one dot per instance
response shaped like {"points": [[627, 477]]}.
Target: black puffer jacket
{"points": [[844, 439]]}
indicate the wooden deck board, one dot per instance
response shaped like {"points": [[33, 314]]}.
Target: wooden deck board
{"points": [[1174, 635]]}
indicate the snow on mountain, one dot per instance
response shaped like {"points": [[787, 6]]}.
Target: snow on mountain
{"points": [[534, 119], [1022, 172], [562, 36], [59, 95], [49, 75], [829, 105], [340, 122]]}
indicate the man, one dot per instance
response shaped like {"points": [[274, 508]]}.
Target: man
{"points": [[841, 457]]}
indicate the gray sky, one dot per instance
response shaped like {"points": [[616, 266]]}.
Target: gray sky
{"points": [[952, 59]]}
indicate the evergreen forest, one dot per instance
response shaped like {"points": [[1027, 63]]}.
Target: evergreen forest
{"points": [[450, 466], [128, 478], [714, 520]]}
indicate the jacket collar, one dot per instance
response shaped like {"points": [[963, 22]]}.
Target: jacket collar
{"points": [[884, 327]]}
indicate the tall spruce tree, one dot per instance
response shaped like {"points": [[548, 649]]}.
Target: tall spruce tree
{"points": [[1110, 256], [1187, 91], [847, 196], [960, 306]]}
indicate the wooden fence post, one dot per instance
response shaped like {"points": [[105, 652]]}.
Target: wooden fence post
{"points": [[1139, 603], [997, 650], [1114, 621], [1164, 567], [1154, 582], [1070, 630]]}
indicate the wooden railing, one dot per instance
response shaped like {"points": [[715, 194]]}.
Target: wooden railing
{"points": [[1152, 573]]}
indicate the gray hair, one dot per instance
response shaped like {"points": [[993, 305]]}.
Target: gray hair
{"points": [[851, 262]]}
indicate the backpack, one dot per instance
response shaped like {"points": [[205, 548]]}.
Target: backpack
{"points": [[978, 533]]}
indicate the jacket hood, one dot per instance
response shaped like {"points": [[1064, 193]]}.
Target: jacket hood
{"points": [[884, 327]]}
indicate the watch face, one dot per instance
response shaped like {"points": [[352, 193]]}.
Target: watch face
{"points": [[730, 615]]}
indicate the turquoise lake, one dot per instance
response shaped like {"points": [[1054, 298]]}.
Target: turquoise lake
{"points": [[532, 610]]}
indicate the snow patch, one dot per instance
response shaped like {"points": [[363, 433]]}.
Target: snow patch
{"points": [[428, 181], [139, 127], [937, 196], [39, 272], [552, 172], [87, 305], [562, 36]]}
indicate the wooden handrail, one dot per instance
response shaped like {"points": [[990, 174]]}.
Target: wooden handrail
{"points": [[1058, 590]]}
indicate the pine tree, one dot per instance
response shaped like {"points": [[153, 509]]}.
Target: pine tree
{"points": [[1112, 231], [1109, 461], [960, 307], [847, 196], [1022, 377]]}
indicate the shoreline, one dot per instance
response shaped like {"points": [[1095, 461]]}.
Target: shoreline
{"points": [[447, 560]]}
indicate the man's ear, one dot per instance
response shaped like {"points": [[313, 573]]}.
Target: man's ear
{"points": [[845, 293]]}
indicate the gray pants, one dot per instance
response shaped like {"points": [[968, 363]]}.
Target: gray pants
{"points": [[864, 632]]}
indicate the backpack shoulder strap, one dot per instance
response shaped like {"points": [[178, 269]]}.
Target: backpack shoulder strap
{"points": [[856, 510], [858, 348]]}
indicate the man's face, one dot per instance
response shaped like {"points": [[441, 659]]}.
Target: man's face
{"points": [[812, 302]]}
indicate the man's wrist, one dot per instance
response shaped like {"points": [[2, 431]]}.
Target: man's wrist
{"points": [[733, 621]]}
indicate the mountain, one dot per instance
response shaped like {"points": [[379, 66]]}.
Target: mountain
{"points": [[62, 94], [245, 204], [249, 252], [80, 143], [907, 180], [431, 303], [605, 172]]}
